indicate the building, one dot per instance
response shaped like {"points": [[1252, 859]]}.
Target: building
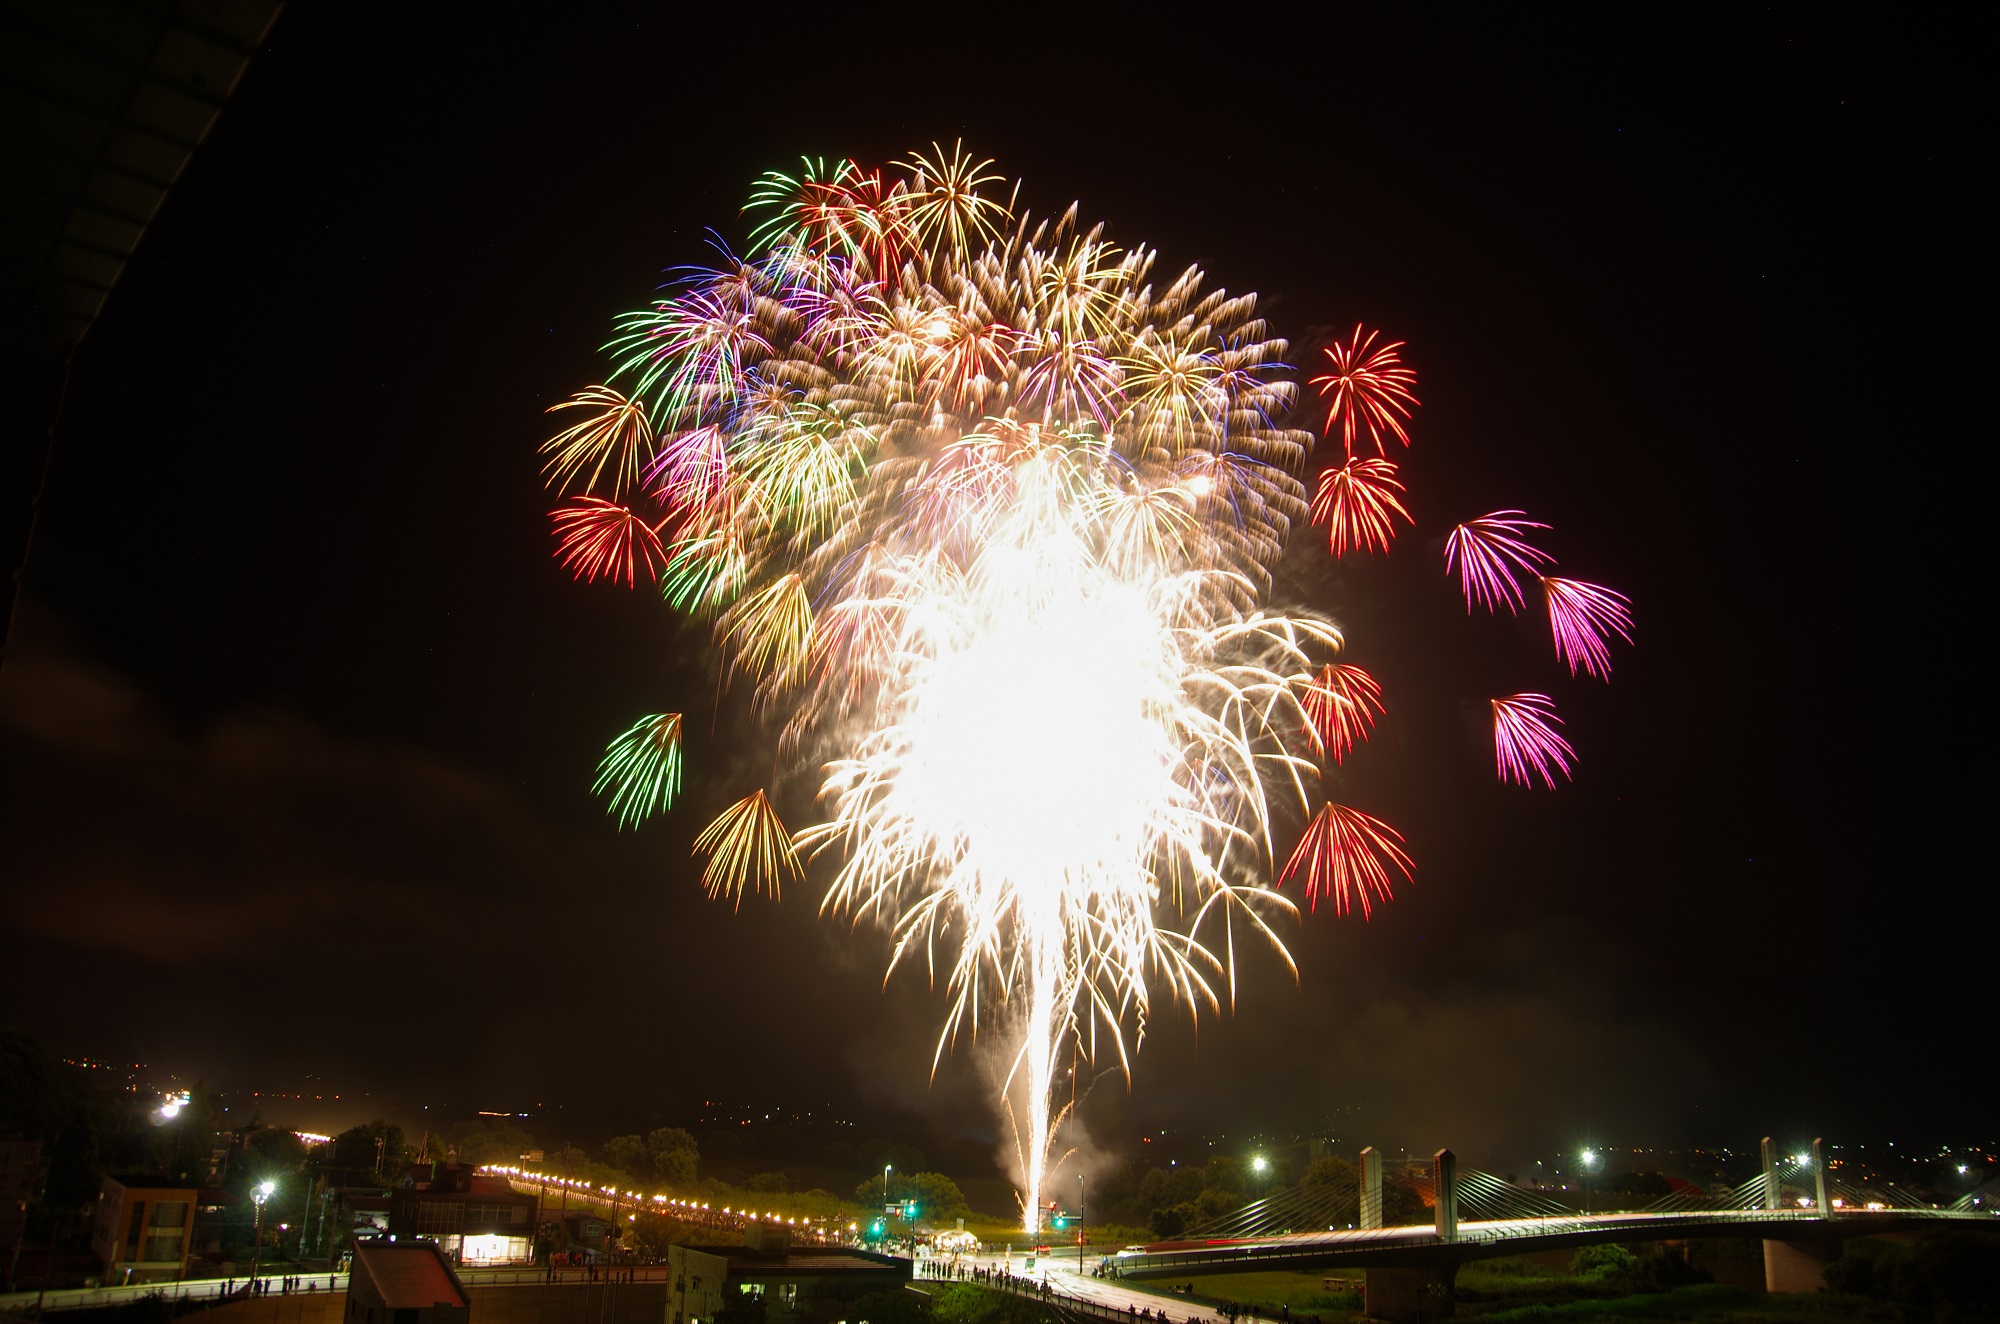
{"points": [[792, 1283], [216, 1221], [588, 1237], [350, 1214], [474, 1218], [20, 1178], [144, 1228], [404, 1282]]}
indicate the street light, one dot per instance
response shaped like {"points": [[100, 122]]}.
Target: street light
{"points": [[1589, 1157], [259, 1193], [1259, 1165], [1079, 1222]]}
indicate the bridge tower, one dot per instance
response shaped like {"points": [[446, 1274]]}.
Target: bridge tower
{"points": [[1444, 1176], [1821, 1207], [1769, 1153], [1371, 1187]]}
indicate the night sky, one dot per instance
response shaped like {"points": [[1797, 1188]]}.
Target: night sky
{"points": [[299, 715]]}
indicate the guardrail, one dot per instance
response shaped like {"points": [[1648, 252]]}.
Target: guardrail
{"points": [[1045, 1290]]}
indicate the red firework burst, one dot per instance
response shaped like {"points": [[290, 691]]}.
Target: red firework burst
{"points": [[601, 537], [1345, 854], [1358, 503], [1369, 388], [1341, 703]]}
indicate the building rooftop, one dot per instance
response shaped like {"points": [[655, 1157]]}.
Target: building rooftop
{"points": [[800, 1259], [409, 1275]]}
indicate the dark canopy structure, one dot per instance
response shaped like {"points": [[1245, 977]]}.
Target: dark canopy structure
{"points": [[102, 104]]}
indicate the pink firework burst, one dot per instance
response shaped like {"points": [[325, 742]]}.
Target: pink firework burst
{"points": [[1486, 552], [1358, 503], [1583, 617], [1368, 388], [691, 470], [601, 537], [1526, 743], [1341, 703], [1345, 854]]}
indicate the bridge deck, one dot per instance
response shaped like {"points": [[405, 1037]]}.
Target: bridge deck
{"points": [[1411, 1246]]}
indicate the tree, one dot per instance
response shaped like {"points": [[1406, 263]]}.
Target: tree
{"points": [[355, 1147], [76, 1168], [889, 1308], [629, 1155], [1336, 1181], [1162, 1187], [490, 1140], [1172, 1220], [1593, 1262], [675, 1155], [271, 1150], [1330, 1172], [1402, 1206], [1225, 1173], [27, 1088], [937, 1196]]}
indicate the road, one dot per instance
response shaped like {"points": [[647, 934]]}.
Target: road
{"points": [[1105, 1294]]}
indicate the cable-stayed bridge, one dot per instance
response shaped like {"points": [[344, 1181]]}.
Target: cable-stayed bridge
{"points": [[1798, 1207]]}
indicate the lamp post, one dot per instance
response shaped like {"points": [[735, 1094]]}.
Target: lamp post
{"points": [[259, 1193], [886, 1202], [1257, 1166], [1589, 1157], [1079, 1222]]}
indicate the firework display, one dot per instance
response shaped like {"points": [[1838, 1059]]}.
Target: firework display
{"points": [[983, 515]]}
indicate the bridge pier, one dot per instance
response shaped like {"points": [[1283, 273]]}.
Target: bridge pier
{"points": [[1768, 1151], [1410, 1294], [1798, 1266], [1371, 1187], [1444, 1181]]}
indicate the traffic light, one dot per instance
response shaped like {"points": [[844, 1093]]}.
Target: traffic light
{"points": [[909, 1208]]}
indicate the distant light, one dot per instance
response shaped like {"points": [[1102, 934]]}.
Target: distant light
{"points": [[1260, 1163], [1962, 1169]]}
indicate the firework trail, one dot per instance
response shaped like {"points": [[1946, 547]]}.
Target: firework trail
{"points": [[983, 514]]}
